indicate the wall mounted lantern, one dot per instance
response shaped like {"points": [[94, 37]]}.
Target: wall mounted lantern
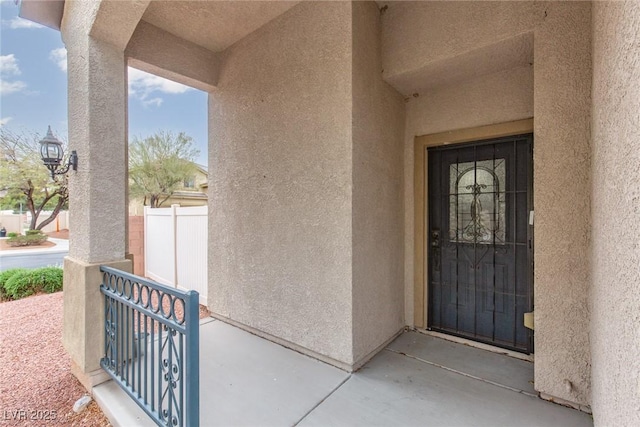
{"points": [[52, 154]]}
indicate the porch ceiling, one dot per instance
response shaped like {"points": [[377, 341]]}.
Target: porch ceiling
{"points": [[214, 25], [503, 55]]}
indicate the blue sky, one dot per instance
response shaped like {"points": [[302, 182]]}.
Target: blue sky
{"points": [[33, 89]]}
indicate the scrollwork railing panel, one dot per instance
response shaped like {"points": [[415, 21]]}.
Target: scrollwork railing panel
{"points": [[151, 345]]}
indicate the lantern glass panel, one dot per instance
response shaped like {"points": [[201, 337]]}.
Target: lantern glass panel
{"points": [[51, 152], [55, 152]]}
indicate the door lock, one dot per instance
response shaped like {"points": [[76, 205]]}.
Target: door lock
{"points": [[435, 238]]}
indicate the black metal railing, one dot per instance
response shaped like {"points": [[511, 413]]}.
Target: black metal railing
{"points": [[151, 346]]}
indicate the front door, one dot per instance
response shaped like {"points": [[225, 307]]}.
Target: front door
{"points": [[480, 241]]}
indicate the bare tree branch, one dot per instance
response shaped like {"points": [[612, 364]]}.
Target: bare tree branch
{"points": [[26, 179]]}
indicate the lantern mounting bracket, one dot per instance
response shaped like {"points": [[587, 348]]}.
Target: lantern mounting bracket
{"points": [[71, 164]]}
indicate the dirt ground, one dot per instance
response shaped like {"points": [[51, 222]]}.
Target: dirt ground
{"points": [[37, 387]]}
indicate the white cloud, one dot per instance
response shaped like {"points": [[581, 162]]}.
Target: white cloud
{"points": [[153, 101], [145, 87], [19, 23], [59, 56], [7, 88], [5, 120], [9, 65]]}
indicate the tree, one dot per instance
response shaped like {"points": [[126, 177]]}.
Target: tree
{"points": [[159, 165], [24, 178]]}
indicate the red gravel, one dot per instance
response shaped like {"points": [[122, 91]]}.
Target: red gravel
{"points": [[34, 367]]}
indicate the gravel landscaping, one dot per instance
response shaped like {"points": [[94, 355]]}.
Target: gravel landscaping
{"points": [[34, 367], [37, 381]]}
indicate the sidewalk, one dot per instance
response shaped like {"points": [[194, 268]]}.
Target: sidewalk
{"points": [[417, 380]]}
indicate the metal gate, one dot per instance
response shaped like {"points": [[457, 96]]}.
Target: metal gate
{"points": [[151, 346], [480, 241]]}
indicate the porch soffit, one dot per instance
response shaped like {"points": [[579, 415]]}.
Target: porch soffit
{"points": [[504, 55], [214, 25]]}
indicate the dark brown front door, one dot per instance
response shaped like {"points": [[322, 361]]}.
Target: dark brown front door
{"points": [[480, 241]]}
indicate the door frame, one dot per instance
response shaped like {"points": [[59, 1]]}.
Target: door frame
{"points": [[421, 143]]}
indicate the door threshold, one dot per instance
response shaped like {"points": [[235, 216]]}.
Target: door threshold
{"points": [[482, 346]]}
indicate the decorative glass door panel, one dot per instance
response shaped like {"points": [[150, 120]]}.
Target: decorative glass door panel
{"points": [[476, 204], [480, 243]]}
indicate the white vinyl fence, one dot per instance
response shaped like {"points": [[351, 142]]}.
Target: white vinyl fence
{"points": [[175, 247]]}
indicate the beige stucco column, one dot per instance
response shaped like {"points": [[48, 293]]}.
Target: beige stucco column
{"points": [[615, 256], [562, 114], [97, 196], [97, 191]]}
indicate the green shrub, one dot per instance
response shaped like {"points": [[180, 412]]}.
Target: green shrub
{"points": [[49, 278], [34, 233], [19, 282], [4, 276], [19, 285], [12, 234], [31, 239], [8, 273]]}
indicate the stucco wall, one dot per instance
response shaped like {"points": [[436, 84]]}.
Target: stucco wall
{"points": [[615, 293], [562, 192], [378, 126], [416, 35], [280, 180], [96, 78], [98, 190], [178, 60]]}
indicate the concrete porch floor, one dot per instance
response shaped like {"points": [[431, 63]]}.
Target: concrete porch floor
{"points": [[416, 380]]}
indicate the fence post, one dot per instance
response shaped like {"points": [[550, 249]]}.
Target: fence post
{"points": [[192, 320], [144, 239], [174, 242]]}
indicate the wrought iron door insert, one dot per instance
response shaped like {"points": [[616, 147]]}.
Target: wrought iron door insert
{"points": [[480, 241]]}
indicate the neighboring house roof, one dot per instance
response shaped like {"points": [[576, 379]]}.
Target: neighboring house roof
{"points": [[188, 195]]}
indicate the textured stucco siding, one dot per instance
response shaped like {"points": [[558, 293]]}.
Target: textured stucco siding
{"points": [[615, 292], [378, 126], [97, 98], [97, 110], [417, 34], [179, 60], [280, 180], [562, 193]]}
